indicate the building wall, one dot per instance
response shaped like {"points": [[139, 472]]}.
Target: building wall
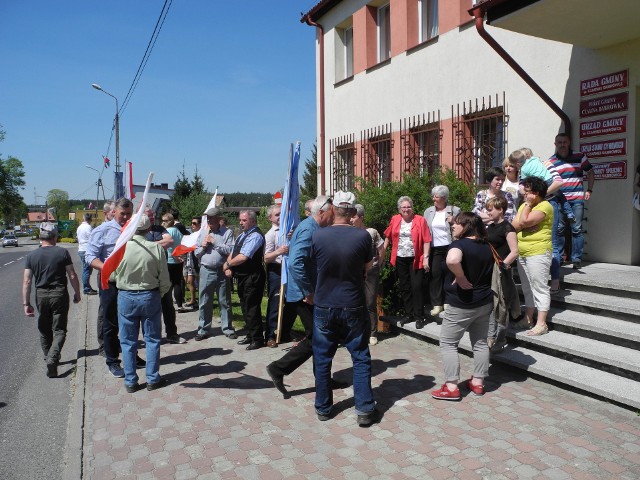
{"points": [[459, 66]]}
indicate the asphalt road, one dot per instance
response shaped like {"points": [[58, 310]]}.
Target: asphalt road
{"points": [[34, 409]]}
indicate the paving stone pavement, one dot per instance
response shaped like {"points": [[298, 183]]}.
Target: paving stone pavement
{"points": [[220, 417]]}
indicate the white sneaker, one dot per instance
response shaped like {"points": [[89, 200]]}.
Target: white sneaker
{"points": [[436, 310], [373, 340]]}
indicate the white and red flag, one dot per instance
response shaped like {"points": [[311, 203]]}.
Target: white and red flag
{"points": [[128, 181], [190, 242], [126, 234]]}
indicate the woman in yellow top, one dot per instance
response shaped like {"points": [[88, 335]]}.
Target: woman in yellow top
{"points": [[534, 223]]}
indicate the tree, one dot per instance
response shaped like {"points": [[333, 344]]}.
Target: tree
{"points": [[12, 204], [182, 188], [59, 200], [309, 187], [197, 186]]}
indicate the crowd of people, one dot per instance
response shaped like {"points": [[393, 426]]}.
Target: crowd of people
{"points": [[455, 265]]}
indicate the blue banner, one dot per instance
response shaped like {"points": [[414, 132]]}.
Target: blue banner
{"points": [[290, 214]]}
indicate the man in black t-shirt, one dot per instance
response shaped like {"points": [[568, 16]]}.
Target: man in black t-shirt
{"points": [[48, 267], [343, 254]]}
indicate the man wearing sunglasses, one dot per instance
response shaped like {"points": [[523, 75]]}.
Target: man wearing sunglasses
{"points": [[300, 288]]}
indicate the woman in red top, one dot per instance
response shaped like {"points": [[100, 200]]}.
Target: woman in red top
{"points": [[410, 239]]}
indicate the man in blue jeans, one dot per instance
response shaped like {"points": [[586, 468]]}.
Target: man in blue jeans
{"points": [[142, 278], [343, 254], [571, 166]]}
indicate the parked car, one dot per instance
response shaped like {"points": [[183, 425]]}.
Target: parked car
{"points": [[9, 240]]}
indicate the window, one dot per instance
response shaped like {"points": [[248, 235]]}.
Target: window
{"points": [[377, 155], [342, 168], [344, 52], [348, 52], [384, 33], [427, 19], [480, 139], [420, 139]]}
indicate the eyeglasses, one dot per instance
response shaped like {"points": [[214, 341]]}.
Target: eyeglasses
{"points": [[195, 223], [327, 201]]}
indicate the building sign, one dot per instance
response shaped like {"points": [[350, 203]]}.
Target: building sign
{"points": [[607, 148], [605, 126], [618, 102], [603, 83], [610, 170]]}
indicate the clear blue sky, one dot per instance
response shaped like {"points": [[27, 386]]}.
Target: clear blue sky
{"points": [[228, 87]]}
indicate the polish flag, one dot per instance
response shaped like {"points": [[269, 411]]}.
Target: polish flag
{"points": [[128, 181], [127, 233], [190, 242]]}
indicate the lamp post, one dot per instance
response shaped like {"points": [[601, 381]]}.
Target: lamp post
{"points": [[117, 182]]}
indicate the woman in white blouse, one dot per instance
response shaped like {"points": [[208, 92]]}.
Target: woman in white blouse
{"points": [[439, 218]]}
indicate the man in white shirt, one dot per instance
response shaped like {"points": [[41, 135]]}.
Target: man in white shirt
{"points": [[83, 233]]}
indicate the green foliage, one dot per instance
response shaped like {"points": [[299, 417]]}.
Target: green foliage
{"points": [[197, 186], [59, 199], [309, 187], [12, 206], [191, 206], [182, 188], [380, 204]]}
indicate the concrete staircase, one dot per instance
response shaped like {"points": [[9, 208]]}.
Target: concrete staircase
{"points": [[594, 339]]}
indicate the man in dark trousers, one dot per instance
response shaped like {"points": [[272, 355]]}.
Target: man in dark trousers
{"points": [[300, 289], [49, 267], [343, 254], [245, 262]]}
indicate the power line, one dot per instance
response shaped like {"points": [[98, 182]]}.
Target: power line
{"points": [[147, 53], [143, 63]]}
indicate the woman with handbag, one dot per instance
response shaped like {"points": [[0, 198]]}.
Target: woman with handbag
{"points": [[534, 224], [468, 293]]}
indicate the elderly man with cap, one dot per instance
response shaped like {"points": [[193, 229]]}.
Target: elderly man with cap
{"points": [[142, 278], [343, 254], [49, 267], [212, 254]]}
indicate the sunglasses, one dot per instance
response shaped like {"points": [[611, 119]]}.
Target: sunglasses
{"points": [[327, 201], [195, 223]]}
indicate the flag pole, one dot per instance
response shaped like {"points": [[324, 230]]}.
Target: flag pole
{"points": [[284, 264]]}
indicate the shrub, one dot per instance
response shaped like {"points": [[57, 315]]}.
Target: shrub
{"points": [[380, 204]]}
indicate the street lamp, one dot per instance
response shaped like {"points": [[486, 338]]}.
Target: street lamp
{"points": [[117, 176]]}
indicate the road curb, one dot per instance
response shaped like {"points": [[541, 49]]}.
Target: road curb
{"points": [[75, 431]]}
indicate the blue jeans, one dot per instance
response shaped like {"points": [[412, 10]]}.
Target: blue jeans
{"points": [[577, 235], [350, 327], [214, 281], [556, 260], [135, 308], [86, 273]]}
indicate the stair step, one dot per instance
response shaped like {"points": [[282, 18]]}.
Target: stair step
{"points": [[599, 301], [625, 278], [589, 379], [596, 324], [597, 351]]}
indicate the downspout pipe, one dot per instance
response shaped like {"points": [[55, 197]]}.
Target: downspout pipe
{"points": [[320, 29], [478, 14]]}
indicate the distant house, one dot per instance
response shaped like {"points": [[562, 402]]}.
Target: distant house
{"points": [[34, 218]]}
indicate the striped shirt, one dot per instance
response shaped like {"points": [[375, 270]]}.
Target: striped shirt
{"points": [[571, 170]]}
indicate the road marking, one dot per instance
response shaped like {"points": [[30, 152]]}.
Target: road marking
{"points": [[8, 263]]}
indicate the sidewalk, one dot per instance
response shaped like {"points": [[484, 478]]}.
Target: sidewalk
{"points": [[220, 417]]}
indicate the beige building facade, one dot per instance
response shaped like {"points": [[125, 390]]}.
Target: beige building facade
{"points": [[411, 85]]}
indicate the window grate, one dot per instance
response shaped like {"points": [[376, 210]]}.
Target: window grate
{"points": [[342, 158], [420, 138], [377, 154], [479, 137]]}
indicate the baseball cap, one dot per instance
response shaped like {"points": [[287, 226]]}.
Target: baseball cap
{"points": [[344, 200], [48, 230]]}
